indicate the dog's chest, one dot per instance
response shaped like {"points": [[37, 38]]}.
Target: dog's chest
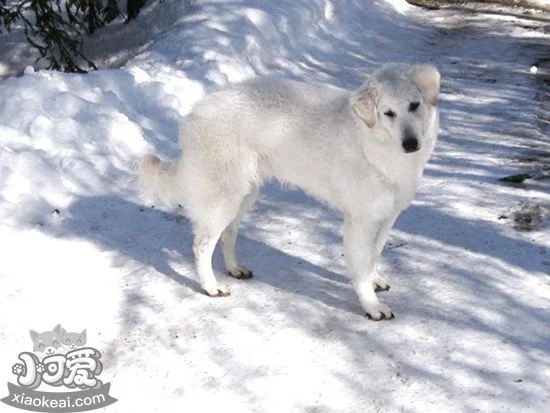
{"points": [[405, 185]]}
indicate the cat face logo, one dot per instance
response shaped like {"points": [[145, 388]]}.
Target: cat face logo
{"points": [[56, 341], [59, 359], [72, 341]]}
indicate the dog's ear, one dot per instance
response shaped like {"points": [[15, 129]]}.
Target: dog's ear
{"points": [[428, 80], [363, 102]]}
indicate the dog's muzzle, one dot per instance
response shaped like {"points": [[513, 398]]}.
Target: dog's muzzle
{"points": [[410, 144]]}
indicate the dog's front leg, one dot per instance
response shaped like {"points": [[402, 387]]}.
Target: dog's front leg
{"points": [[360, 236], [379, 283]]}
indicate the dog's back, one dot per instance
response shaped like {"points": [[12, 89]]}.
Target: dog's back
{"points": [[265, 110]]}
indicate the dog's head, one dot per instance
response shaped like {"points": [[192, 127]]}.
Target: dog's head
{"points": [[400, 102]]}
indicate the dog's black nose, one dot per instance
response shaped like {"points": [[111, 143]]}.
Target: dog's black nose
{"points": [[410, 144]]}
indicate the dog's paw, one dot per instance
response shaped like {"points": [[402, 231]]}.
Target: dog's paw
{"points": [[380, 284], [219, 290], [242, 273], [382, 312]]}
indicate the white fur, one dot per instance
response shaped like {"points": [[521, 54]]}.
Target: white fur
{"points": [[341, 147]]}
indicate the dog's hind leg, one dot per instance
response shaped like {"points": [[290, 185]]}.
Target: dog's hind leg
{"points": [[207, 228], [203, 246], [229, 239]]}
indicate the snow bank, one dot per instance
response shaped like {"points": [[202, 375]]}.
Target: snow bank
{"points": [[68, 136]]}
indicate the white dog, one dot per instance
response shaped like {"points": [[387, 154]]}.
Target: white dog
{"points": [[362, 152]]}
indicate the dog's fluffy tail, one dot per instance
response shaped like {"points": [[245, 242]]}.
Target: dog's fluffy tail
{"points": [[161, 179]]}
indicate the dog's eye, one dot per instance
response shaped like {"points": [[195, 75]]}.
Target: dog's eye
{"points": [[413, 106], [390, 114]]}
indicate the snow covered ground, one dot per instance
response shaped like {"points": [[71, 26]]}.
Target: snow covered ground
{"points": [[81, 245]]}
